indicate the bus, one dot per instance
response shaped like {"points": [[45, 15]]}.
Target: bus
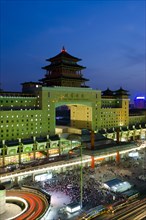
{"points": [[94, 212]]}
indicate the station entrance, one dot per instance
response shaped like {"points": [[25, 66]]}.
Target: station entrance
{"points": [[84, 105]]}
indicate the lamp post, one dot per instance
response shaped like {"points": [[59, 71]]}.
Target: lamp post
{"points": [[81, 179], [20, 150], [144, 161], [4, 148]]}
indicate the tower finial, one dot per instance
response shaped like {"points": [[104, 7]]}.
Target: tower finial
{"points": [[63, 49]]}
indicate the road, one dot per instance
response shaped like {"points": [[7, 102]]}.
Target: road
{"points": [[37, 204], [136, 210]]}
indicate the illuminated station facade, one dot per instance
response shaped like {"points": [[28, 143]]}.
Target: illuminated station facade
{"points": [[28, 118]]}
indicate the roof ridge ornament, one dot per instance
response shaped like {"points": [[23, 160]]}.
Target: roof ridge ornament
{"points": [[63, 50]]}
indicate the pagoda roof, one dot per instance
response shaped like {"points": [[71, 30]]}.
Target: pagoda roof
{"points": [[64, 77], [121, 91], [54, 138], [87, 137], [27, 141], [63, 55], [41, 139], [63, 64], [107, 92], [12, 143]]}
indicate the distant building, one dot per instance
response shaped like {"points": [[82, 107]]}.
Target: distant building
{"points": [[137, 116], [140, 102]]}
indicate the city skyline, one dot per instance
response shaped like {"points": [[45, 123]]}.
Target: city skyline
{"points": [[109, 37]]}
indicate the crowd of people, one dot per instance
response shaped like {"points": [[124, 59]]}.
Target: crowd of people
{"points": [[88, 187], [89, 190]]}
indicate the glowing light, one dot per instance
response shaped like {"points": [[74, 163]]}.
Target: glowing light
{"points": [[133, 154], [63, 49], [72, 210], [140, 97], [43, 177]]}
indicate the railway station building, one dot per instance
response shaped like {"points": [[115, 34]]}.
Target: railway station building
{"points": [[29, 116]]}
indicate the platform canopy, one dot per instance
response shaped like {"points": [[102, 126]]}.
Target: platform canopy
{"points": [[117, 185]]}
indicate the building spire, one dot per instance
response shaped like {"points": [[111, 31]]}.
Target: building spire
{"points": [[63, 49]]}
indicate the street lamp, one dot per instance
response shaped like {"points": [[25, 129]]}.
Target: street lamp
{"points": [[81, 178]]}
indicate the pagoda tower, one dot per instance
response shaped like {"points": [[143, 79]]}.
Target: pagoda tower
{"points": [[64, 71]]}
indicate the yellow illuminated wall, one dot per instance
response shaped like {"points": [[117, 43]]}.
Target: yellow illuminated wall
{"points": [[115, 112]]}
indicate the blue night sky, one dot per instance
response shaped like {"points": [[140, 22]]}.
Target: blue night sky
{"points": [[109, 37]]}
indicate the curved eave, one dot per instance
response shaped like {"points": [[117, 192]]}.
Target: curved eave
{"points": [[121, 90], [107, 92], [53, 66], [64, 55], [63, 77]]}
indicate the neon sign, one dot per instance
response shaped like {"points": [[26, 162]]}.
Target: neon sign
{"points": [[140, 97]]}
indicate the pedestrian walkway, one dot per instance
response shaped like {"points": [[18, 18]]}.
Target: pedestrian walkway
{"points": [[58, 201]]}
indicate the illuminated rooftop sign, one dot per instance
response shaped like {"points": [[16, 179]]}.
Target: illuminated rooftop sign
{"points": [[140, 97]]}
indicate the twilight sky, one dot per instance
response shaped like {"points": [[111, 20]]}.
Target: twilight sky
{"points": [[109, 37]]}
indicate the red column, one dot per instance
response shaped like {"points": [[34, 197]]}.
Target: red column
{"points": [[92, 162], [117, 157], [118, 135]]}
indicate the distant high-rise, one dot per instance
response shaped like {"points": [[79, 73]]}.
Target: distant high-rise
{"points": [[140, 102]]}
